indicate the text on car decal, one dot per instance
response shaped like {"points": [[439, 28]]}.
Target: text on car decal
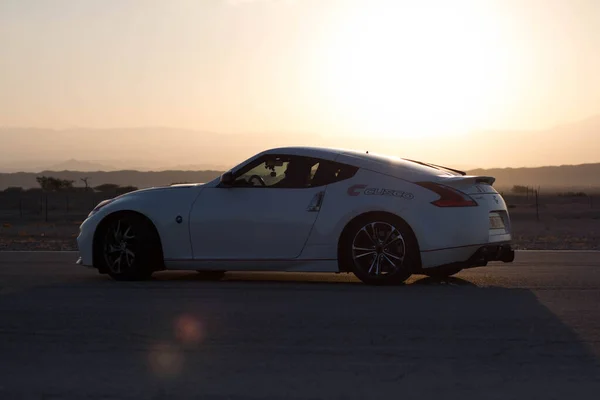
{"points": [[356, 190]]}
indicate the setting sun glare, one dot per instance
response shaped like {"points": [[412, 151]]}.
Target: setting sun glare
{"points": [[433, 80], [398, 68]]}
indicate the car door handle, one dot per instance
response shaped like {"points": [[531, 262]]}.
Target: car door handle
{"points": [[315, 203]]}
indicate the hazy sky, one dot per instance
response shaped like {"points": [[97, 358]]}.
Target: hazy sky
{"points": [[383, 68]]}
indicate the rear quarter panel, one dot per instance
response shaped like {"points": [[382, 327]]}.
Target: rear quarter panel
{"points": [[434, 228], [367, 191], [162, 207]]}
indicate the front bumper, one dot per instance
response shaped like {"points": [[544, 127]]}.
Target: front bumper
{"points": [[85, 242], [81, 261]]}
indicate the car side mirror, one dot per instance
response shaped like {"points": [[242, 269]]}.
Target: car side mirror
{"points": [[227, 179]]}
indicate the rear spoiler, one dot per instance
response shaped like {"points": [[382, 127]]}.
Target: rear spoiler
{"points": [[437, 166], [469, 180]]}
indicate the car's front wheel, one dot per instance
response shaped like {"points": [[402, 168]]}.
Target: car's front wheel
{"points": [[379, 250], [129, 247]]}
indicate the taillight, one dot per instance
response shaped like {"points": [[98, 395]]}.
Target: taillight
{"points": [[449, 197]]}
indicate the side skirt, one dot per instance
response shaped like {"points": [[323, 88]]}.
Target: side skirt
{"points": [[294, 265]]}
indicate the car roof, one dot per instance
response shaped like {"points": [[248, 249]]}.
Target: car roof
{"points": [[375, 161], [306, 151], [334, 152], [323, 152]]}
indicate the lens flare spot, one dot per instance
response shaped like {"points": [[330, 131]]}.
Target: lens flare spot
{"points": [[188, 330], [165, 360]]}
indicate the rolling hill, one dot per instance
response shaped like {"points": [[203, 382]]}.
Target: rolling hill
{"points": [[163, 148], [580, 177], [140, 179]]}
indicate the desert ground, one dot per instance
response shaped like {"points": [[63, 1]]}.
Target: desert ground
{"points": [[565, 222]]}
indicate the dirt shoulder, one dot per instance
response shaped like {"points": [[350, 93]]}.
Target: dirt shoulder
{"points": [[557, 229]]}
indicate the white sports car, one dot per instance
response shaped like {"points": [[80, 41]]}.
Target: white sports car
{"points": [[305, 209]]}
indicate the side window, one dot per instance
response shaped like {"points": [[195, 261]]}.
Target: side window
{"points": [[265, 172], [292, 172], [313, 171], [277, 171], [330, 172]]}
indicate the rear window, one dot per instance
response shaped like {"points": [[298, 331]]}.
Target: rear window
{"points": [[409, 164]]}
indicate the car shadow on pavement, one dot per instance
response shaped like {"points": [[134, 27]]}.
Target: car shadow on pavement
{"points": [[450, 281], [299, 278], [177, 337]]}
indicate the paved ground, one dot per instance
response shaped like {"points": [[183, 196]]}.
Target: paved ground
{"points": [[530, 330]]}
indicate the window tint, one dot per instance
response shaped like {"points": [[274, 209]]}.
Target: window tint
{"points": [[267, 173], [282, 171], [331, 172]]}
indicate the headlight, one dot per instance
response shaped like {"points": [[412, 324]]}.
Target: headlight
{"points": [[99, 206]]}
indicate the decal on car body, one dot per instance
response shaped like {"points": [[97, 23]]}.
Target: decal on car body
{"points": [[356, 190]]}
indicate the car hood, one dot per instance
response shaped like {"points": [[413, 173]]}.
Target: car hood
{"points": [[146, 194], [155, 189]]}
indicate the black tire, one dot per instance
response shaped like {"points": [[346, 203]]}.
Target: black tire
{"points": [[211, 275], [132, 239], [365, 252]]}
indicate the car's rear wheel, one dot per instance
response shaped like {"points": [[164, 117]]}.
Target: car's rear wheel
{"points": [[129, 246], [379, 250]]}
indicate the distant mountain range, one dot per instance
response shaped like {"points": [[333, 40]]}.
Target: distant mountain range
{"points": [[162, 148], [579, 177], [90, 166], [76, 165], [566, 144], [142, 149], [129, 156], [140, 179], [69, 165]]}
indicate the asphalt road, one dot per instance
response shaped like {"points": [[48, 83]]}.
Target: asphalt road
{"points": [[525, 331]]}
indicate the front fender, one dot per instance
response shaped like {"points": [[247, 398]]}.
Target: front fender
{"points": [[168, 210]]}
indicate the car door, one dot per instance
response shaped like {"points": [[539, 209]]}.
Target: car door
{"points": [[267, 212]]}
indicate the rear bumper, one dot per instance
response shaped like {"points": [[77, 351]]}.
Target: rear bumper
{"points": [[468, 256], [485, 254]]}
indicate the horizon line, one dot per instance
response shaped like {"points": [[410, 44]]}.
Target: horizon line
{"points": [[158, 126], [223, 170]]}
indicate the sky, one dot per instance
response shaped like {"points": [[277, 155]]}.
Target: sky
{"points": [[390, 70]]}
